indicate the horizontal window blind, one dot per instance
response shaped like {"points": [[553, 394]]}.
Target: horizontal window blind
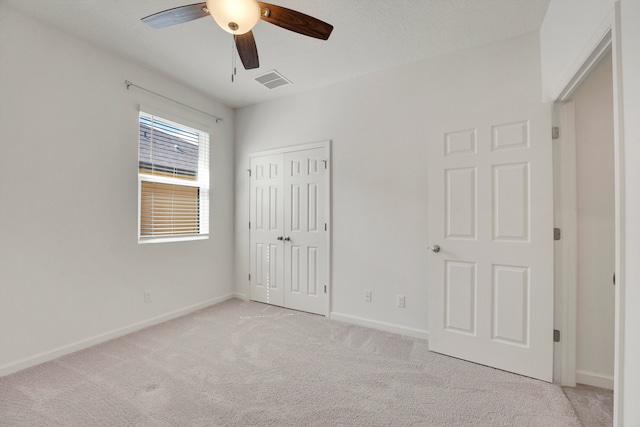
{"points": [[168, 209], [173, 174]]}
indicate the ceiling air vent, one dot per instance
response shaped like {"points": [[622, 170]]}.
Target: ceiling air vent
{"points": [[272, 79]]}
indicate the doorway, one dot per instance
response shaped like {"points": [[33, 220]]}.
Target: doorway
{"points": [[586, 255]]}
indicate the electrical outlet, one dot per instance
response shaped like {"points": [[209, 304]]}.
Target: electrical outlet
{"points": [[400, 301], [367, 296], [147, 296]]}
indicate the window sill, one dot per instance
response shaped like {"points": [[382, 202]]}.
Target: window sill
{"points": [[144, 241]]}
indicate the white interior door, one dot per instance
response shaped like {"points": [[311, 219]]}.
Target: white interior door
{"points": [[491, 214], [289, 243]]}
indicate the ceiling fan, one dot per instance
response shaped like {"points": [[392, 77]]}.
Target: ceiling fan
{"points": [[238, 17]]}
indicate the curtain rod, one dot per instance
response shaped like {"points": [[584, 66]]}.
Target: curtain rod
{"points": [[129, 83]]}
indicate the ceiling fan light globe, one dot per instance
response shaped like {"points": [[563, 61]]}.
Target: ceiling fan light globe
{"points": [[240, 14]]}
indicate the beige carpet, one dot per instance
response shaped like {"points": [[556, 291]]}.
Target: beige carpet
{"points": [[247, 364]]}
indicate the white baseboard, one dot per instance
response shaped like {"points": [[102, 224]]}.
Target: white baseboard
{"points": [[89, 342], [594, 379], [383, 326], [243, 297]]}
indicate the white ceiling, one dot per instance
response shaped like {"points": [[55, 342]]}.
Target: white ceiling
{"points": [[368, 35]]}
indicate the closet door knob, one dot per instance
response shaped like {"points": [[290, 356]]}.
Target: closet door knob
{"points": [[280, 237], [287, 239], [435, 248]]}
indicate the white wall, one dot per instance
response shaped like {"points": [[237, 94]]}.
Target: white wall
{"points": [[378, 124], [595, 227], [71, 271], [571, 28], [629, 302]]}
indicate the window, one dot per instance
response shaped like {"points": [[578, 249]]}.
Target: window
{"points": [[173, 181]]}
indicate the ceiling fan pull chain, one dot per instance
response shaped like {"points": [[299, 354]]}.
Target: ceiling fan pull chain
{"points": [[233, 59]]}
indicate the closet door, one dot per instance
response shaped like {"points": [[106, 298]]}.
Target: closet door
{"points": [[289, 244], [267, 225], [305, 241]]}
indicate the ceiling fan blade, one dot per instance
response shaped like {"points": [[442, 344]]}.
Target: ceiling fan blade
{"points": [[295, 21], [247, 49], [177, 15]]}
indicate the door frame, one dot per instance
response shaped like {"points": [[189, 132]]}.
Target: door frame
{"points": [[301, 147], [608, 41], [566, 250]]}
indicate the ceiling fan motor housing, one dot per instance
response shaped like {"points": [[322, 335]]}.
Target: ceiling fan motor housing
{"points": [[235, 16]]}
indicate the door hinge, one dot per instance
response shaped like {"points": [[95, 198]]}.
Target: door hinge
{"points": [[556, 335], [555, 133], [249, 225], [325, 226], [249, 276], [325, 289], [249, 170], [557, 234], [325, 163]]}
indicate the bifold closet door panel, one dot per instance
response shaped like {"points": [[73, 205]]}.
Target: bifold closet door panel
{"points": [[266, 229], [305, 245]]}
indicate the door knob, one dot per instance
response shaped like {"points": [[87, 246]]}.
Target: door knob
{"points": [[279, 237], [287, 238], [435, 248]]}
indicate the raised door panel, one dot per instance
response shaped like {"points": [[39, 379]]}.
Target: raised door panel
{"points": [[510, 306], [511, 210], [460, 297], [460, 203]]}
